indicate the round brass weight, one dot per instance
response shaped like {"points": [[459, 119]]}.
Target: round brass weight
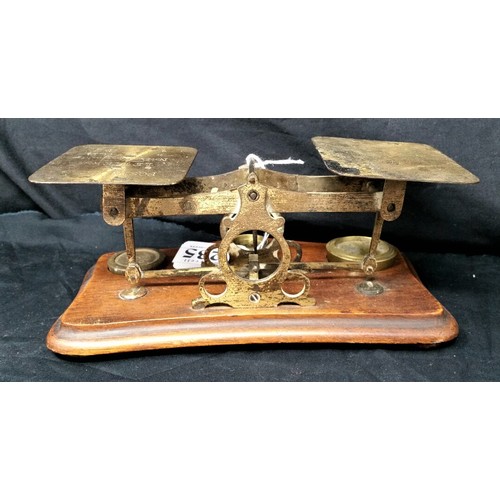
{"points": [[356, 248], [147, 258]]}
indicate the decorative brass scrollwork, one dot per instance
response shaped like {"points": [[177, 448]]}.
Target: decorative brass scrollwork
{"points": [[260, 281]]}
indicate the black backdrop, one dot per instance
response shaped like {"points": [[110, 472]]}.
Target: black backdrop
{"points": [[50, 235]]}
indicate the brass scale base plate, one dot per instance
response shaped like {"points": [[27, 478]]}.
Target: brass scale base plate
{"points": [[98, 322]]}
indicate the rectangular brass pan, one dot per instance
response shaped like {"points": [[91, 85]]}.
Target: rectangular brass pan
{"points": [[400, 161], [111, 164]]}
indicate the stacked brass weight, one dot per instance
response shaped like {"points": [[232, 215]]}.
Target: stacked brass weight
{"points": [[356, 248], [147, 258]]}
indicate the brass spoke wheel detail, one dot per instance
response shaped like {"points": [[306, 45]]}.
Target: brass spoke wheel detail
{"points": [[259, 281]]}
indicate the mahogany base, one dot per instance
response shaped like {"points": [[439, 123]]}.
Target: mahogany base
{"points": [[99, 322]]}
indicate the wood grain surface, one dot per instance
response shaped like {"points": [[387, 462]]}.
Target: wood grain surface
{"points": [[99, 322]]}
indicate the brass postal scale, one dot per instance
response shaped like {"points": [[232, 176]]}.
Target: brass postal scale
{"points": [[254, 285]]}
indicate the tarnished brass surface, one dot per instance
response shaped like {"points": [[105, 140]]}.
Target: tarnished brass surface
{"points": [[109, 164], [218, 195], [113, 204], [356, 248], [226, 201], [267, 247], [390, 209], [307, 267], [133, 293], [147, 258], [255, 288], [257, 266], [279, 181], [392, 200], [370, 288], [402, 161]]}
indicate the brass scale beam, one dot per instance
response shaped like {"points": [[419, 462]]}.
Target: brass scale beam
{"points": [[150, 181], [218, 195]]}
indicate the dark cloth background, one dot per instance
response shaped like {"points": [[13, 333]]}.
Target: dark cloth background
{"points": [[51, 234]]}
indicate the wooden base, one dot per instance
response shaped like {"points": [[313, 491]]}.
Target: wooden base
{"points": [[99, 322]]}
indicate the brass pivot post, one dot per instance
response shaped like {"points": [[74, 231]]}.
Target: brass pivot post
{"points": [[391, 206], [133, 272]]}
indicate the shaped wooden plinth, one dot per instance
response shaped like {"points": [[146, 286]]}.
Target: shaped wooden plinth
{"points": [[99, 322]]}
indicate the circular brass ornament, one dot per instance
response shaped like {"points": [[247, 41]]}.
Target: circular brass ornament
{"points": [[356, 248], [147, 258]]}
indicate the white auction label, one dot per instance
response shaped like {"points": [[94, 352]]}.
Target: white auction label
{"points": [[191, 254]]}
